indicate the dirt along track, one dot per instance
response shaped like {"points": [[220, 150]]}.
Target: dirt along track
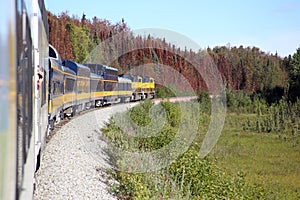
{"points": [[175, 99]]}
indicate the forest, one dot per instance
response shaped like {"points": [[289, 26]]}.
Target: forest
{"points": [[245, 69], [257, 156]]}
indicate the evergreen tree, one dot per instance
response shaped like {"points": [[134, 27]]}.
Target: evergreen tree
{"points": [[295, 76]]}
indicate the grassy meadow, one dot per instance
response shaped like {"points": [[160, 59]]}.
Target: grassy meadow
{"points": [[271, 160], [256, 157]]}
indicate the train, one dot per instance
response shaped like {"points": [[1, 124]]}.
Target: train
{"points": [[75, 87], [38, 89]]}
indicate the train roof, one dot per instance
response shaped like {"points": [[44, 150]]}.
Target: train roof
{"points": [[54, 63], [68, 70], [92, 64], [95, 68], [79, 69], [102, 69], [134, 78], [110, 68], [124, 80], [93, 75], [100, 65]]}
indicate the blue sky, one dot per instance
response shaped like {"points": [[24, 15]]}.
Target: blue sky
{"points": [[271, 25]]}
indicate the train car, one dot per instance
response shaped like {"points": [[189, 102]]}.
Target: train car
{"points": [[97, 90], [70, 100], [62, 87], [124, 89], [83, 85], [97, 84], [24, 96], [96, 68], [110, 82], [137, 84], [110, 76], [148, 86], [56, 89]]}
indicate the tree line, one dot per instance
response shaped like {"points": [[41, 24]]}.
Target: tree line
{"points": [[246, 69]]}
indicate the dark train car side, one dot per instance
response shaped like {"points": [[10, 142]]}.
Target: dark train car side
{"points": [[83, 87], [62, 89], [97, 90], [109, 83]]}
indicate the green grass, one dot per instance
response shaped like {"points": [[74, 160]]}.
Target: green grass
{"points": [[269, 159], [244, 164]]}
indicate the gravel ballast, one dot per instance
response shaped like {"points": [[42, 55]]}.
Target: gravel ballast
{"points": [[74, 160]]}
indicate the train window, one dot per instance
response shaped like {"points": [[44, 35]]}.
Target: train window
{"points": [[25, 99], [52, 53], [70, 83], [86, 87], [92, 68], [129, 86], [79, 86], [61, 88], [94, 85], [99, 86], [83, 86], [110, 86], [121, 86], [57, 88], [44, 86], [107, 86], [53, 87]]}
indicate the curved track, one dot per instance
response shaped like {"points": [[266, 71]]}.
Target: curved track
{"points": [[73, 159]]}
